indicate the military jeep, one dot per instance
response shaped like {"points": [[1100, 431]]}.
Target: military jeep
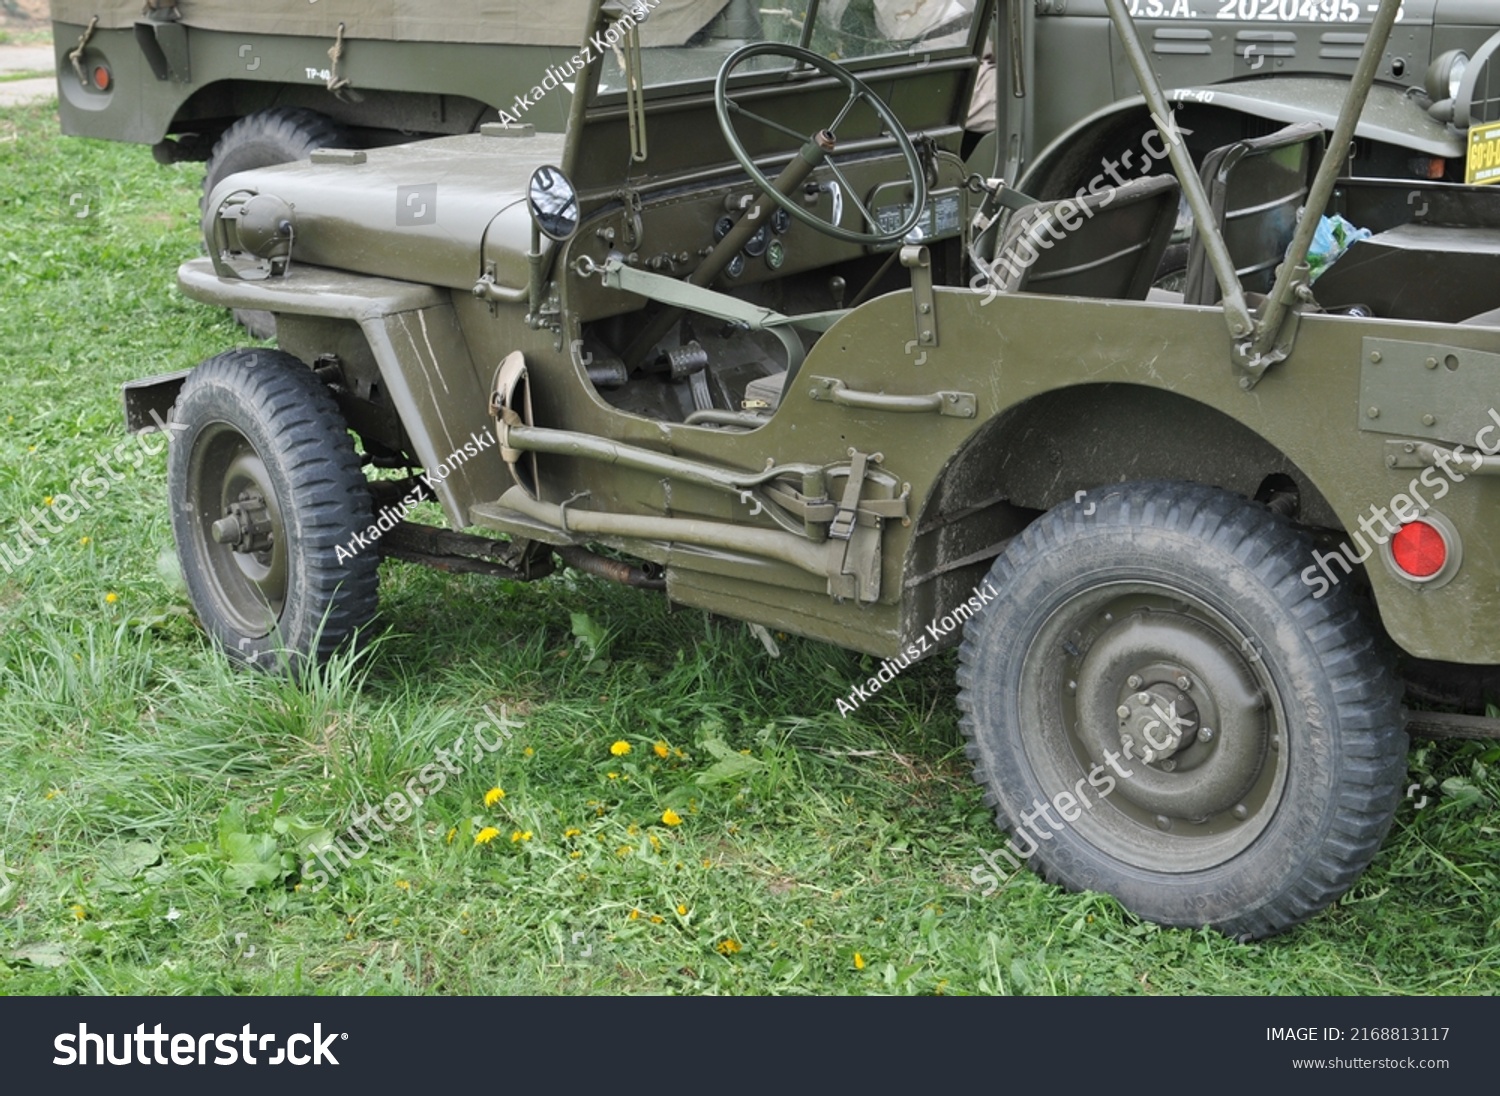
{"points": [[751, 334]]}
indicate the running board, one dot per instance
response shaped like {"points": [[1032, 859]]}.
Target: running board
{"points": [[1445, 725]]}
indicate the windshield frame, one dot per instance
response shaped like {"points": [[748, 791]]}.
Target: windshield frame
{"points": [[612, 99]]}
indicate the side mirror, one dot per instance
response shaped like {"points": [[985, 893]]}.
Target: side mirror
{"points": [[553, 203]]}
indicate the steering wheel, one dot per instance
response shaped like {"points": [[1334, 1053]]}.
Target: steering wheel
{"points": [[823, 140]]}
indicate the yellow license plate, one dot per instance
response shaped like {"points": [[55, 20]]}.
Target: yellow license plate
{"points": [[1484, 154]]}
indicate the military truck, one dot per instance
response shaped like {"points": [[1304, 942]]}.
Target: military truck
{"points": [[244, 85], [750, 334]]}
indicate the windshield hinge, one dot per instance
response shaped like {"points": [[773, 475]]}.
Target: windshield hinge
{"points": [[924, 308]]}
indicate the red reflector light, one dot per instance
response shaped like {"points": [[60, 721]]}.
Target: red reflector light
{"points": [[101, 78], [1420, 550]]}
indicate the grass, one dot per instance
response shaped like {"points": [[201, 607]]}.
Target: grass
{"points": [[155, 803]]}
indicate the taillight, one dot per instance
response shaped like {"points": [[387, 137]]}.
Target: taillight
{"points": [[102, 78], [1420, 550]]}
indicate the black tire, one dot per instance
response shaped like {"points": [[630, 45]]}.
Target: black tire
{"points": [[276, 136], [1283, 771], [259, 429]]}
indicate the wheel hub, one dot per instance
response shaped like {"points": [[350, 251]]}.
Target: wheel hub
{"points": [[1157, 722], [246, 527]]}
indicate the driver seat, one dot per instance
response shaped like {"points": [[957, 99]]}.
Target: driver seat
{"points": [[1104, 245]]}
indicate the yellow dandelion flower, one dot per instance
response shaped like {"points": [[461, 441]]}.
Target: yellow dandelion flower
{"points": [[624, 850], [707, 863], [572, 831], [452, 833], [670, 817], [655, 842], [83, 540], [520, 835], [620, 748], [54, 793], [632, 829], [681, 910], [727, 947], [111, 597], [662, 750], [493, 796], [402, 884], [575, 854], [613, 776], [47, 501], [657, 919], [859, 961], [635, 915], [486, 835], [528, 751], [79, 913]]}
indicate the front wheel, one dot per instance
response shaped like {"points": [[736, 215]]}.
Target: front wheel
{"points": [[267, 496], [1160, 709]]}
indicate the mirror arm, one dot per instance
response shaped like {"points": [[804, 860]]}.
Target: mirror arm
{"points": [[538, 275]]}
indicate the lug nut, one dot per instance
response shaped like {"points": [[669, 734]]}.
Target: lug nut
{"points": [[1168, 765], [1123, 712], [1134, 681], [1143, 698], [1205, 734], [1184, 682]]}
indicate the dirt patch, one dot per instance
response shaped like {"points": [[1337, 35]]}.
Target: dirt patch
{"points": [[25, 22], [25, 12]]}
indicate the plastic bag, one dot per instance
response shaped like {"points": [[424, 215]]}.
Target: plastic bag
{"points": [[1334, 237]]}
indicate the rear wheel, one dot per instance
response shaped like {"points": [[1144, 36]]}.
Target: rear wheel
{"points": [[276, 136], [1160, 709], [267, 494]]}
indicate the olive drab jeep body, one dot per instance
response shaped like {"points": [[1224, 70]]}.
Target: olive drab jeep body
{"points": [[753, 334]]}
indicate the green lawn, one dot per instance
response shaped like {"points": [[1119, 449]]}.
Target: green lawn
{"points": [[155, 803]]}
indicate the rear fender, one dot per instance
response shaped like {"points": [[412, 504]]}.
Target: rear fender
{"points": [[1390, 118]]}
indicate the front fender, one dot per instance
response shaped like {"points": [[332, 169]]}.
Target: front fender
{"points": [[424, 362]]}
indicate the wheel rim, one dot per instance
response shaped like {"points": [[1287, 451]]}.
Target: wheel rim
{"points": [[238, 530], [1180, 696]]}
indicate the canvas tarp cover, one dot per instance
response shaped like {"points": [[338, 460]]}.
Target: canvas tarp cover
{"points": [[497, 22]]}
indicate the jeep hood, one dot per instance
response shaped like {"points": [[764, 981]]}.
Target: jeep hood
{"points": [[431, 212]]}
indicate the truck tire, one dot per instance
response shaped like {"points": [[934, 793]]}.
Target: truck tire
{"points": [[1220, 747], [276, 136], [267, 494]]}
